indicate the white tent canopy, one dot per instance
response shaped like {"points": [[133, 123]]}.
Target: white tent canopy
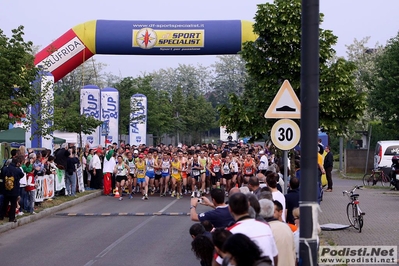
{"points": [[69, 137]]}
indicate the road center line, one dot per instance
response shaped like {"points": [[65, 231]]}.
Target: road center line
{"points": [[128, 234]]}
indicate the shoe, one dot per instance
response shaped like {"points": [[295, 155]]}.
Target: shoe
{"points": [[173, 194], [143, 198], [130, 196], [226, 194], [33, 213], [162, 195], [121, 198], [177, 196], [185, 192], [328, 190], [152, 192], [193, 195], [199, 194], [20, 214], [207, 191], [146, 197]]}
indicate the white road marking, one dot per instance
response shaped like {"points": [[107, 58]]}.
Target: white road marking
{"points": [[125, 236]]}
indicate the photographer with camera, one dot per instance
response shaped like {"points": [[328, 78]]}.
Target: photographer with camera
{"points": [[219, 217]]}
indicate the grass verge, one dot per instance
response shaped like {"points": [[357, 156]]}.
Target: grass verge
{"points": [[56, 201]]}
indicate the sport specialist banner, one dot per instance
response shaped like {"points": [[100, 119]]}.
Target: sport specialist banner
{"points": [[206, 37]]}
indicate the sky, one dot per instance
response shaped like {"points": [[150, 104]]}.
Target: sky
{"points": [[46, 20]]}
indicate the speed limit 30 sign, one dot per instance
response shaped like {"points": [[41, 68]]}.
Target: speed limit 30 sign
{"points": [[285, 134]]}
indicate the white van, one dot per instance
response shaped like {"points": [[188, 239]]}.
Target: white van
{"points": [[384, 150]]}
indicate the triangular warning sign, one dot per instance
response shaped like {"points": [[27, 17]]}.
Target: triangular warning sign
{"points": [[285, 104]]}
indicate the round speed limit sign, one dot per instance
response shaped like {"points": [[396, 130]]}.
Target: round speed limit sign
{"points": [[285, 134]]}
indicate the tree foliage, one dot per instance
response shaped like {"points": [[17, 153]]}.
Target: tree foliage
{"points": [[383, 86], [17, 70], [230, 76], [274, 57]]}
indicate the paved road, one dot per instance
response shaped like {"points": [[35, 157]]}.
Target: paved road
{"points": [[380, 222], [105, 240], [111, 239]]}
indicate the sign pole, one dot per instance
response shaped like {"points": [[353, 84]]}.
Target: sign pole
{"points": [[285, 158], [309, 190]]}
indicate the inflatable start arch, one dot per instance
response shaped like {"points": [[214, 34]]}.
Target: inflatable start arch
{"points": [[142, 38]]}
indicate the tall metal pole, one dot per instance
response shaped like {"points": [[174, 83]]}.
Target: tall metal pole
{"points": [[309, 132], [341, 153], [285, 158], [368, 151]]}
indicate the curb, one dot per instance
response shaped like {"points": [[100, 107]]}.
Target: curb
{"points": [[47, 212]]}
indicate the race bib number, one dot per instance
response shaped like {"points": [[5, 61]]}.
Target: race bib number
{"points": [[226, 170], [150, 168], [175, 171], [158, 172], [248, 170], [216, 169], [165, 170], [196, 173], [140, 172]]}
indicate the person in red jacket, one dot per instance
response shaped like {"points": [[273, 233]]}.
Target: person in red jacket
{"points": [[31, 189]]}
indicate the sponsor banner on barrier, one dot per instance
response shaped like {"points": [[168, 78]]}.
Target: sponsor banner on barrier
{"points": [[80, 181], [45, 187], [59, 179], [138, 120]]}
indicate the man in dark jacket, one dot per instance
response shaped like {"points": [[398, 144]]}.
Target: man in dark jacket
{"points": [[61, 156], [11, 176], [328, 166], [292, 199]]}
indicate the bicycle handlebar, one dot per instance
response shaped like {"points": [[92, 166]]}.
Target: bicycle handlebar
{"points": [[352, 190]]}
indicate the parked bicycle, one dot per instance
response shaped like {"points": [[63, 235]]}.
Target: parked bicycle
{"points": [[377, 175], [353, 211]]}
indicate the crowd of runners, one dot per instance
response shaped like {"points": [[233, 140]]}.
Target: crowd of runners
{"points": [[174, 171]]}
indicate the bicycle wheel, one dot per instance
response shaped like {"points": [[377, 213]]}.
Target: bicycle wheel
{"points": [[360, 219], [351, 212], [385, 180], [367, 179]]}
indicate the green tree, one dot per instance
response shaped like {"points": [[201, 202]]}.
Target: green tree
{"points": [[17, 71], [274, 57], [70, 120], [383, 86], [230, 77], [179, 112], [159, 110], [364, 57]]}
